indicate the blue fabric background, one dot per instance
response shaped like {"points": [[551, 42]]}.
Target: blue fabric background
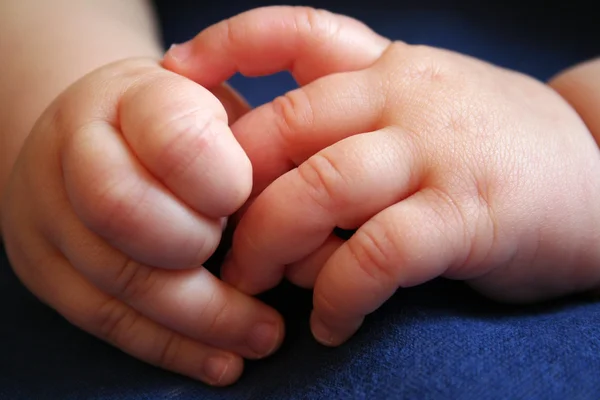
{"points": [[437, 341]]}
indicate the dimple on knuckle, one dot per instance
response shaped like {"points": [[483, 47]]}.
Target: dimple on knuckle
{"points": [[324, 180], [292, 111], [425, 71]]}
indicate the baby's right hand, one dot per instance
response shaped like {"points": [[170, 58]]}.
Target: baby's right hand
{"points": [[118, 197]]}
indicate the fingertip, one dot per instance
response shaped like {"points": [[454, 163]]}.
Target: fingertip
{"points": [[177, 55], [200, 58], [265, 338], [321, 332], [332, 334], [222, 369]]}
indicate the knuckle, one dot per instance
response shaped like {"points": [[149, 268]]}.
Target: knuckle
{"points": [[376, 252], [326, 183], [212, 316], [318, 24], [135, 281], [168, 353], [292, 111], [115, 322], [235, 31]]}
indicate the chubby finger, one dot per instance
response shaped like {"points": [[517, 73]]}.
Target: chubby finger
{"points": [[297, 212], [179, 131], [56, 283], [122, 202], [282, 134], [310, 43], [121, 198], [191, 302], [409, 243]]}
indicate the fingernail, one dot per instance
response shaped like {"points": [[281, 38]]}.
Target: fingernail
{"points": [[215, 368], [263, 338], [180, 52], [321, 331]]}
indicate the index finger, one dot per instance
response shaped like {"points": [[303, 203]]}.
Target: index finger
{"points": [[309, 43]]}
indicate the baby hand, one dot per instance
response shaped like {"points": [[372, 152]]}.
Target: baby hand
{"points": [[118, 197], [446, 166]]}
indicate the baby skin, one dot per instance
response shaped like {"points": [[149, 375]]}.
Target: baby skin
{"points": [[115, 202], [445, 165]]}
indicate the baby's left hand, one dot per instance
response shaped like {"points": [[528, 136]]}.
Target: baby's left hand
{"points": [[448, 166]]}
